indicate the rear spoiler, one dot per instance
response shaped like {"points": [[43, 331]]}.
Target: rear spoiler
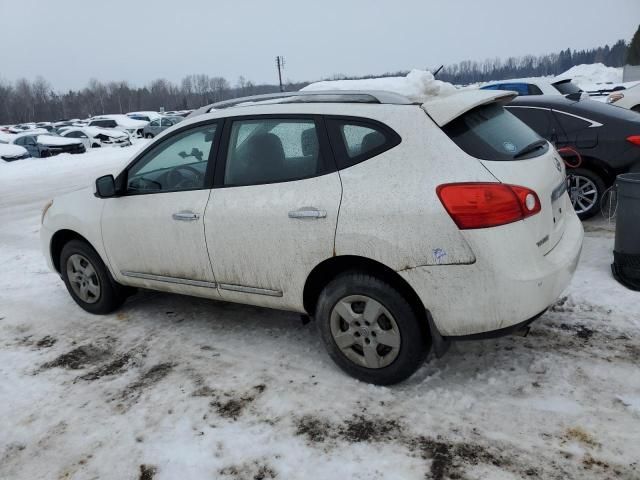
{"points": [[444, 109]]}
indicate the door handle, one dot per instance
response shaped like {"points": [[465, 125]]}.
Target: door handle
{"points": [[307, 212], [185, 216]]}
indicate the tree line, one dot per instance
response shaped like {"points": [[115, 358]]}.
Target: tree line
{"points": [[28, 101]]}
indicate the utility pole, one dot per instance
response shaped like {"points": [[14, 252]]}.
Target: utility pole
{"points": [[280, 65]]}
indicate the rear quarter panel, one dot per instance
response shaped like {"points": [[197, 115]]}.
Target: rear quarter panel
{"points": [[390, 211]]}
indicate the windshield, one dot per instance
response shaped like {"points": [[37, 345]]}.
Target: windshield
{"points": [[566, 87], [490, 132]]}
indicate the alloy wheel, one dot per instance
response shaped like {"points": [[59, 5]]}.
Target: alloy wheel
{"points": [[83, 278], [365, 331], [583, 193]]}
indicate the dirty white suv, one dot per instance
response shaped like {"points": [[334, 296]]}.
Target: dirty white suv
{"points": [[397, 226]]}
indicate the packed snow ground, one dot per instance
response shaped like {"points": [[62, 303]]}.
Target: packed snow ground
{"points": [[172, 387]]}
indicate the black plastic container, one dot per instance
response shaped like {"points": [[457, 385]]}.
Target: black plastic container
{"points": [[626, 252]]}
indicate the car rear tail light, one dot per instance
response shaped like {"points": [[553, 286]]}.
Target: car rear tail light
{"points": [[484, 205], [635, 139]]}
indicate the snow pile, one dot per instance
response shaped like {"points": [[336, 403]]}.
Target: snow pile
{"points": [[593, 76], [417, 85]]}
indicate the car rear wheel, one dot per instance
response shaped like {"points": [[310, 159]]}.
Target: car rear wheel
{"points": [[636, 108], [585, 190], [369, 329], [87, 279]]}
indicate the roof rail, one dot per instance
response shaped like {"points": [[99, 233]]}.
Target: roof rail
{"points": [[313, 96]]}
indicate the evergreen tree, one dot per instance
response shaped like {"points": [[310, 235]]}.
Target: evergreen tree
{"points": [[633, 52]]}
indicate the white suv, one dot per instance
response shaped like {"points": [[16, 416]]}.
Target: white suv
{"points": [[398, 226]]}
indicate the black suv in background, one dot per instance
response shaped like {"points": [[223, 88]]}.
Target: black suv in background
{"points": [[606, 137]]}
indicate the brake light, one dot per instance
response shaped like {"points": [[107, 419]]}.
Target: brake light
{"points": [[635, 139], [484, 205]]}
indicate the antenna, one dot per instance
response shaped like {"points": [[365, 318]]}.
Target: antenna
{"points": [[280, 65]]}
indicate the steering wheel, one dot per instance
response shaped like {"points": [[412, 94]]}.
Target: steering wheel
{"points": [[177, 179]]}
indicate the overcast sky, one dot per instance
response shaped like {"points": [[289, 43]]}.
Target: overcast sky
{"points": [[70, 41]]}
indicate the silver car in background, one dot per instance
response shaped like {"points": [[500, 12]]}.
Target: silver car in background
{"points": [[159, 125]]}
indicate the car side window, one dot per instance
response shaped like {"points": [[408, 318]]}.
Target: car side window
{"points": [[570, 123], [165, 122], [271, 150], [177, 163], [521, 88], [538, 119], [20, 141], [357, 140], [534, 89], [155, 123]]}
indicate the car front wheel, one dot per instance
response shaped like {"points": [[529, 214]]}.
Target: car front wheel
{"points": [[370, 330], [87, 279]]}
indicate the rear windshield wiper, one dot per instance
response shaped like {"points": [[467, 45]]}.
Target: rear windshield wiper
{"points": [[533, 146]]}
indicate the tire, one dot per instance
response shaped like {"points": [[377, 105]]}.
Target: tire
{"points": [[102, 294], [404, 331], [636, 108], [585, 180], [148, 135]]}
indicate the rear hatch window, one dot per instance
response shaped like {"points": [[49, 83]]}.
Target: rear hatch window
{"points": [[490, 132], [566, 87]]}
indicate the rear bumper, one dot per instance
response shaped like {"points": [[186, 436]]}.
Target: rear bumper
{"points": [[508, 284]]}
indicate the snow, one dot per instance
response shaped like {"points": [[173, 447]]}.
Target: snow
{"points": [[11, 150], [6, 137], [122, 120], [95, 131], [592, 74], [202, 389], [417, 85], [54, 141]]}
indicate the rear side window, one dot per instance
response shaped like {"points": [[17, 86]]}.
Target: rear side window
{"points": [[571, 123], [566, 87], [521, 88], [490, 132], [541, 120], [271, 150], [357, 140], [534, 89]]}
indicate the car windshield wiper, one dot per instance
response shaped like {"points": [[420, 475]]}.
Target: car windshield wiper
{"points": [[531, 147]]}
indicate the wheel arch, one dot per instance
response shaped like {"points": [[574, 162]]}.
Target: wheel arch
{"points": [[598, 167], [327, 270], [59, 240]]}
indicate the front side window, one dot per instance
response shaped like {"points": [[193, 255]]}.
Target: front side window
{"points": [[155, 123], [490, 132], [178, 163], [165, 122], [272, 150]]}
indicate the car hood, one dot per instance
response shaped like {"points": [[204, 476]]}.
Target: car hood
{"points": [[12, 151], [51, 141], [444, 109]]}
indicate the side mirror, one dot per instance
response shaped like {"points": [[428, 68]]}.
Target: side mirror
{"points": [[105, 186]]}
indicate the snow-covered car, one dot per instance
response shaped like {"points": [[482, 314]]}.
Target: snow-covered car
{"points": [[145, 116], [535, 86], [628, 98], [120, 122], [155, 127], [94, 137], [42, 145], [398, 226], [9, 153]]}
